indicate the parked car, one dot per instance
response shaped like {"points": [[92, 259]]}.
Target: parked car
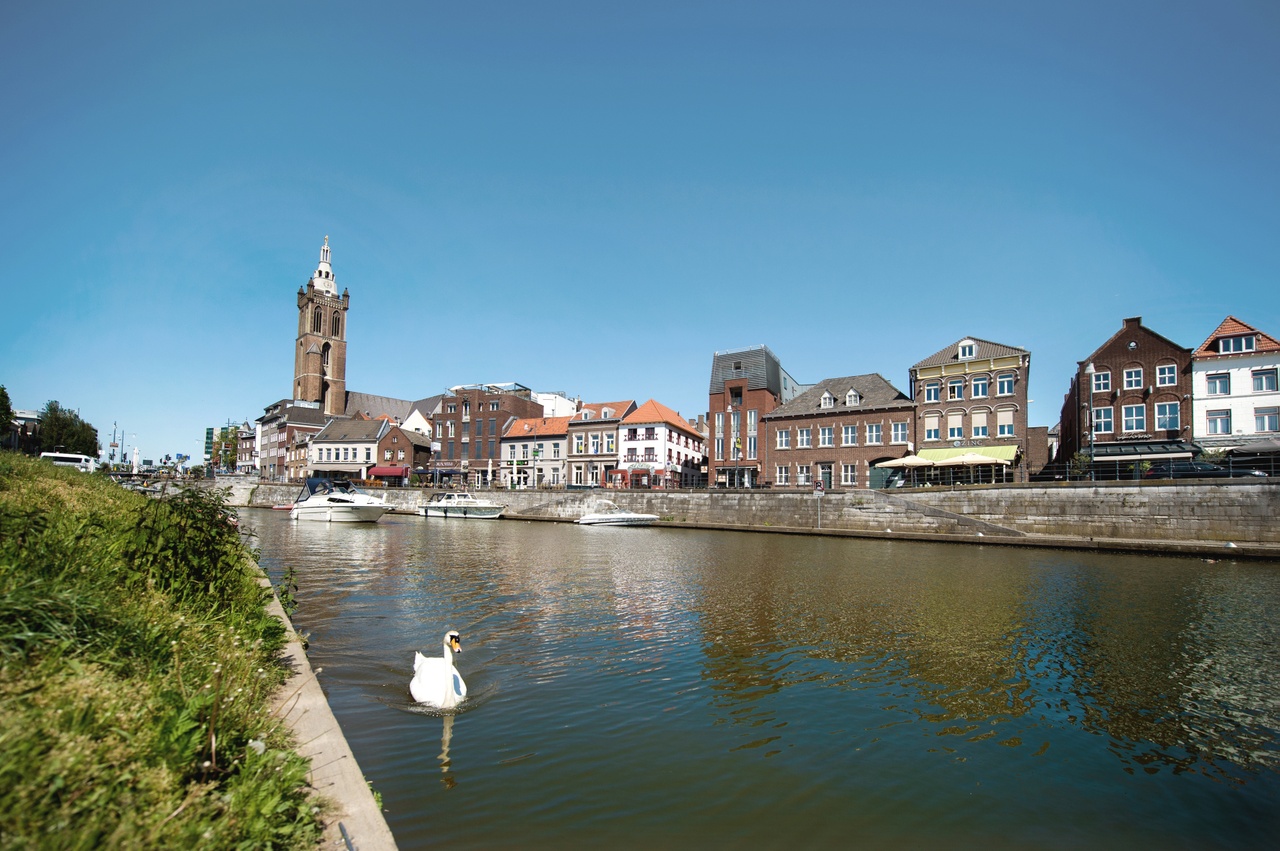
{"points": [[1196, 470]]}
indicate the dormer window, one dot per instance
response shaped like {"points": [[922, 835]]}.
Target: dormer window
{"points": [[828, 401], [965, 351], [1234, 345], [852, 398], [586, 415]]}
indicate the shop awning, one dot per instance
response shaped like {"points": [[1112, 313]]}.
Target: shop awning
{"points": [[1001, 454], [398, 472], [1144, 449]]}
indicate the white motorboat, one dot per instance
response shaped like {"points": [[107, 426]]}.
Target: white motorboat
{"points": [[336, 502], [608, 514], [463, 505]]}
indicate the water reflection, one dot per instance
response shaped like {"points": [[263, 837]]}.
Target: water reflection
{"points": [[889, 684]]}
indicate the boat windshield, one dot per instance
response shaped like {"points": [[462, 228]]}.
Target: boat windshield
{"points": [[325, 486]]}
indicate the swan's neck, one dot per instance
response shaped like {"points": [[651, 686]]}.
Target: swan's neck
{"points": [[448, 654]]}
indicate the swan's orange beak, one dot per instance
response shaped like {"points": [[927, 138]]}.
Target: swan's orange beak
{"points": [[456, 645]]}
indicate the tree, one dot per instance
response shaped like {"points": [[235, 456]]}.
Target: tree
{"points": [[63, 430], [225, 444], [7, 437]]}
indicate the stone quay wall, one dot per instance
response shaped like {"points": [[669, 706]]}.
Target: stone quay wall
{"points": [[1237, 511]]}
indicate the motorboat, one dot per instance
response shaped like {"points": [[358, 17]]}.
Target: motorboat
{"points": [[336, 502], [609, 514], [462, 504]]}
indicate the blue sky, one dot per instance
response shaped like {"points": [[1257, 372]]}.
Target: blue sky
{"points": [[594, 197]]}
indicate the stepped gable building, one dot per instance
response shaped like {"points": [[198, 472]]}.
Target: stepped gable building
{"points": [[972, 397], [593, 441], [470, 423], [320, 358], [1235, 397], [836, 431], [1135, 390], [658, 449], [746, 384]]}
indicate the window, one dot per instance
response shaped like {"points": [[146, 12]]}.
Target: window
{"points": [[1264, 381], [1101, 382], [719, 424], [345, 455], [955, 426], [849, 435], [828, 401], [1135, 417], [316, 319], [849, 475], [386, 455], [1167, 415], [1004, 384], [899, 432], [827, 436], [1228, 345], [1133, 379], [979, 424], [873, 433], [579, 444], [932, 424], [1166, 375], [1220, 384], [1266, 419], [782, 475], [608, 443], [933, 392], [1102, 421], [1219, 422], [752, 416], [493, 406], [955, 390], [336, 330], [852, 398], [399, 455], [966, 350], [1004, 423], [804, 438], [802, 475], [451, 408], [981, 387], [751, 446], [784, 438], [719, 449]]}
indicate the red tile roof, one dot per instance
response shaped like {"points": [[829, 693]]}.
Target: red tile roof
{"points": [[538, 427], [656, 412], [1232, 327]]}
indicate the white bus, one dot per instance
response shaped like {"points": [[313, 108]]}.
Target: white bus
{"points": [[83, 463]]}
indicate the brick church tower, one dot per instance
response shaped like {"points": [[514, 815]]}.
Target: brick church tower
{"points": [[320, 360]]}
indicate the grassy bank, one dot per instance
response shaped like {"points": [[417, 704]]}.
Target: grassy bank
{"points": [[136, 666]]}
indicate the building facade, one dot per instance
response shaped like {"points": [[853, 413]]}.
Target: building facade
{"points": [[658, 449], [535, 452], [346, 448], [593, 442], [746, 385], [836, 431], [280, 427], [400, 452], [973, 394], [1129, 402], [469, 426], [1235, 397], [320, 357]]}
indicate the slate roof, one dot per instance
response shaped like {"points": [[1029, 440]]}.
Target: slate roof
{"points": [[982, 350], [1232, 327], [875, 392], [347, 430], [617, 410], [374, 406]]}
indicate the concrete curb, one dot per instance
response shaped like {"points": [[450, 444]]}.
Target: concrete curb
{"points": [[354, 820]]}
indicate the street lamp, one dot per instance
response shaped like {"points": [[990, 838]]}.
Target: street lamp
{"points": [[1089, 372]]}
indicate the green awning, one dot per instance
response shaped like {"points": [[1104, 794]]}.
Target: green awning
{"points": [[1000, 453]]}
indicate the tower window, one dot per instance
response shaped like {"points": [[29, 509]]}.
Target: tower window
{"points": [[337, 325], [316, 320]]}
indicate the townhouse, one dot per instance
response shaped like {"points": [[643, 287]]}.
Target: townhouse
{"points": [[469, 424], [836, 431], [1235, 397], [345, 448], [278, 429], [593, 441], [746, 384], [658, 449], [401, 452], [535, 452]]}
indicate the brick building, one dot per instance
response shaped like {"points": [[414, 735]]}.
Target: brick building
{"points": [[746, 385], [469, 425], [835, 432], [1135, 389], [320, 356]]}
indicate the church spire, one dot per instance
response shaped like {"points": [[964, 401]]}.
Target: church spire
{"points": [[323, 276]]}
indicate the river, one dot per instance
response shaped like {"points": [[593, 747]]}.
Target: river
{"points": [[639, 688]]}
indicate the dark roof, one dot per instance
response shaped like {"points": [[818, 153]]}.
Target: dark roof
{"points": [[350, 430], [374, 406], [874, 392], [982, 350], [428, 405], [758, 365]]}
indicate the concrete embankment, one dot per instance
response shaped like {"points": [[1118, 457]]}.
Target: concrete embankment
{"points": [[1169, 517]]}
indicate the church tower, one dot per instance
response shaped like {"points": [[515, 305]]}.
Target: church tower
{"points": [[320, 359]]}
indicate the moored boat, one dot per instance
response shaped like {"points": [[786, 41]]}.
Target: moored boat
{"points": [[336, 502], [609, 514], [463, 505]]}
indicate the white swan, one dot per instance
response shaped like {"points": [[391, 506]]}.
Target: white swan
{"points": [[436, 681]]}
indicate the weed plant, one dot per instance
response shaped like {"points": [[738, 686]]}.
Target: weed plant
{"points": [[137, 665]]}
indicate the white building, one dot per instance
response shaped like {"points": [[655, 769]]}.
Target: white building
{"points": [[658, 449], [1236, 401], [535, 452]]}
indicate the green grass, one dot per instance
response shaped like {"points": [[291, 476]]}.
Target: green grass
{"points": [[137, 665]]}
